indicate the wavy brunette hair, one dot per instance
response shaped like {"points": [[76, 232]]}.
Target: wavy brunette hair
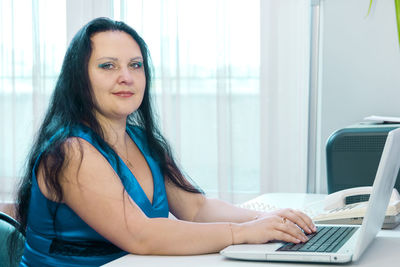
{"points": [[72, 103]]}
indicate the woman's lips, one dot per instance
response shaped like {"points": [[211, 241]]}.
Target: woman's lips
{"points": [[123, 94]]}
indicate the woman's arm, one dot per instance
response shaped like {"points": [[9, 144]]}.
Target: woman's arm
{"points": [[218, 210], [94, 191], [198, 208]]}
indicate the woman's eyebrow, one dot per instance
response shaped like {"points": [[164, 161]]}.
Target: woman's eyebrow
{"points": [[107, 58], [116, 59], [136, 58]]}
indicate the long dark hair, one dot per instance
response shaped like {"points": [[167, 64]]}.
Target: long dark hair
{"points": [[72, 103]]}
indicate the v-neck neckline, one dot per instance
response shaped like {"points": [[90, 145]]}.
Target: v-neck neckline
{"points": [[139, 144]]}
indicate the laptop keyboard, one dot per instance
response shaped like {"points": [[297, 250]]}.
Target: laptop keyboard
{"points": [[326, 239]]}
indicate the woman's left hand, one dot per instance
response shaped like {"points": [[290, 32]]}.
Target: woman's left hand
{"points": [[297, 217]]}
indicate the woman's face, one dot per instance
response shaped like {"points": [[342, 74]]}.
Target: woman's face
{"points": [[116, 74]]}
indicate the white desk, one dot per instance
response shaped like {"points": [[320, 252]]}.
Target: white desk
{"points": [[383, 252]]}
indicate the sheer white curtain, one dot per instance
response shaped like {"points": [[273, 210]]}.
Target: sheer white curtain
{"points": [[234, 111], [206, 57], [284, 94], [236, 132], [32, 45]]}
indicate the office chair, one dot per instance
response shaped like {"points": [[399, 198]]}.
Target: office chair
{"points": [[7, 226]]}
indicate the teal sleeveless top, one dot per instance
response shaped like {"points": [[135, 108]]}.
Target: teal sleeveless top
{"points": [[66, 240]]}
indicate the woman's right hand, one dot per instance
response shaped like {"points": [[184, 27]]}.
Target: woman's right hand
{"points": [[274, 226]]}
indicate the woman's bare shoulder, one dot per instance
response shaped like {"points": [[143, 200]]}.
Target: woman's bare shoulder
{"points": [[78, 154]]}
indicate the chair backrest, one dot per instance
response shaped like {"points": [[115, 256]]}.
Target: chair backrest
{"points": [[7, 227]]}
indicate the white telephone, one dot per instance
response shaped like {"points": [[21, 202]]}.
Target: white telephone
{"points": [[349, 206]]}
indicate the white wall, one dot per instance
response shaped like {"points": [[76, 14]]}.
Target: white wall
{"points": [[360, 67]]}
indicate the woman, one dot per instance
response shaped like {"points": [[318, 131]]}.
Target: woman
{"points": [[101, 179]]}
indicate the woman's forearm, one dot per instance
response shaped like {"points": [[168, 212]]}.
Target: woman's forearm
{"points": [[163, 236], [215, 210]]}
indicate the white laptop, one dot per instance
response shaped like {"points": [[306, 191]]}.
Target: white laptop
{"points": [[330, 247]]}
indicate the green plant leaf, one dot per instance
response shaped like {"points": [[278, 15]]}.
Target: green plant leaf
{"points": [[369, 8], [397, 6], [397, 9]]}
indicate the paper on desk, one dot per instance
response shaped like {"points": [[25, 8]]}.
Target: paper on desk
{"points": [[382, 119]]}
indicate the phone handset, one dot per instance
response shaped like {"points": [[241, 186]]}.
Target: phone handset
{"points": [[353, 195]]}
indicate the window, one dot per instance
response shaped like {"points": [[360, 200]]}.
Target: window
{"points": [[206, 58], [33, 41]]}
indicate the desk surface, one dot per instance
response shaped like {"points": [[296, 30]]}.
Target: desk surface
{"points": [[384, 250]]}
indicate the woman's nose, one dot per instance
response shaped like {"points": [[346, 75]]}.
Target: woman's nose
{"points": [[125, 76]]}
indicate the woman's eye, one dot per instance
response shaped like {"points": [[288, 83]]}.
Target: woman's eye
{"points": [[106, 66], [136, 65]]}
